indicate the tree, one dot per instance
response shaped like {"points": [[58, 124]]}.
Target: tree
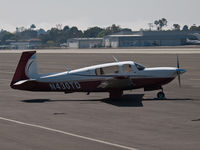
{"points": [[60, 36], [27, 34], [5, 35], [75, 33], [156, 22], [32, 27], [102, 33], [92, 32], [194, 28], [114, 28], [66, 28], [111, 30], [126, 30], [185, 28], [41, 31], [176, 27], [20, 29], [160, 23]]}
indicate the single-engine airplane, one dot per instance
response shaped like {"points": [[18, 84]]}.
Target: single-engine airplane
{"points": [[110, 77]]}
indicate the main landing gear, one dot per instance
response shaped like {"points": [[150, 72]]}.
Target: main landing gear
{"points": [[161, 95], [115, 94]]}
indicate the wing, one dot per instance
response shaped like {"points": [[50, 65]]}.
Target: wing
{"points": [[117, 82]]}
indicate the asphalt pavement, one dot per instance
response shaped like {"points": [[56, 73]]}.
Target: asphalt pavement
{"points": [[49, 121]]}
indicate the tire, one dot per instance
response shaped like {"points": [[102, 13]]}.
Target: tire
{"points": [[161, 95]]}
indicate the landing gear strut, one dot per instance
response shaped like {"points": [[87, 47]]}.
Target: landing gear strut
{"points": [[115, 94], [161, 95]]}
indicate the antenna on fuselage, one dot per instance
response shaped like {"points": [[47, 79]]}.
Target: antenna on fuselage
{"points": [[68, 69], [115, 59]]}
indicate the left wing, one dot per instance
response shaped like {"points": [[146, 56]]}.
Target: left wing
{"points": [[117, 82]]}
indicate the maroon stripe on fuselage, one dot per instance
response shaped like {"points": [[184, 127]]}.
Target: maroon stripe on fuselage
{"points": [[88, 86], [148, 82]]}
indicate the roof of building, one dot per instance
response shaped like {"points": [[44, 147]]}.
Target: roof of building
{"points": [[156, 35], [126, 35], [85, 39]]}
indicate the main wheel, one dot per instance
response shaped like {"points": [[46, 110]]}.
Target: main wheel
{"points": [[161, 95]]}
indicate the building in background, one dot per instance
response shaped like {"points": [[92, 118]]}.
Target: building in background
{"points": [[150, 38], [26, 44], [85, 43]]}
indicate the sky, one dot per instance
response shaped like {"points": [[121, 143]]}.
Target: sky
{"points": [[134, 14]]}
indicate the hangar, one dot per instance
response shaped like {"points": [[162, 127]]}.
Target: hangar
{"points": [[150, 38], [85, 42]]}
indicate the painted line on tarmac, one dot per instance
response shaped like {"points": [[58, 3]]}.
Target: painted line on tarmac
{"points": [[7, 72], [195, 79], [68, 133], [5, 79]]}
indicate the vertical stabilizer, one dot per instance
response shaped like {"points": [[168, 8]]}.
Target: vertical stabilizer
{"points": [[26, 67]]}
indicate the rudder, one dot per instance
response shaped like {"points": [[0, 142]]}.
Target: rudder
{"points": [[20, 73]]}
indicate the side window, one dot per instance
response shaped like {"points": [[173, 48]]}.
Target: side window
{"points": [[99, 71], [127, 68], [107, 70], [139, 66]]}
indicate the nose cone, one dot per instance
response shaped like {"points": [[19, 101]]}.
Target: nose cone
{"points": [[180, 71]]}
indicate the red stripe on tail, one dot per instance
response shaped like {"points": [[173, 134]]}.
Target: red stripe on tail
{"points": [[20, 71]]}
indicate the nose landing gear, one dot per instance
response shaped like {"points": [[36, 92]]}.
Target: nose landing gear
{"points": [[161, 95]]}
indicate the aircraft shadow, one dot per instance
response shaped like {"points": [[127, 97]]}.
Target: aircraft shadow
{"points": [[131, 100], [49, 100], [125, 101], [168, 99], [36, 100]]}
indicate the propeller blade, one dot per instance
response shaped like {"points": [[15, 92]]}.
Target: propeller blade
{"points": [[178, 62], [178, 73], [179, 79]]}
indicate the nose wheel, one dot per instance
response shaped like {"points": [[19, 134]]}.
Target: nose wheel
{"points": [[161, 95]]}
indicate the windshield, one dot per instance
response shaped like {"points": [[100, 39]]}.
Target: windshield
{"points": [[139, 66]]}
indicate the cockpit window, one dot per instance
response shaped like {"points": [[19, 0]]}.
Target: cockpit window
{"points": [[107, 70], [139, 66], [127, 68]]}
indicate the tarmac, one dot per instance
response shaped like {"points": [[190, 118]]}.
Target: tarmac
{"points": [[77, 121]]}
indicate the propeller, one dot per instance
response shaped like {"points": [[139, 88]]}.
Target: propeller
{"points": [[178, 72]]}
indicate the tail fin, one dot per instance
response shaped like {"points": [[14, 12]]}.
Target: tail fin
{"points": [[27, 67]]}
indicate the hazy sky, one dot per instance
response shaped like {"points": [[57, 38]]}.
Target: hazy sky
{"points": [[134, 14]]}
